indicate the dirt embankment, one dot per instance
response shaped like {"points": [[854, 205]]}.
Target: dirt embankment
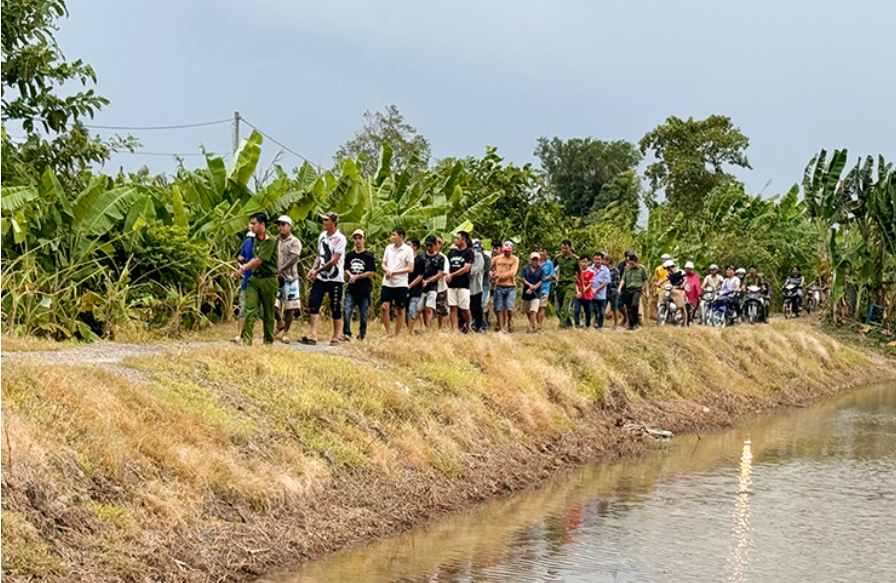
{"points": [[225, 462]]}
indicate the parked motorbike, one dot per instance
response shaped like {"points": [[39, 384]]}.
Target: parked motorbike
{"points": [[723, 312], [667, 312], [754, 304], [704, 310], [791, 300]]}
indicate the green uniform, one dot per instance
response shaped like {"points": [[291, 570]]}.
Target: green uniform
{"points": [[261, 291], [566, 269]]}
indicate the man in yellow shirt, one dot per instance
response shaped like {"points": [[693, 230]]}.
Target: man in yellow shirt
{"points": [[659, 274]]}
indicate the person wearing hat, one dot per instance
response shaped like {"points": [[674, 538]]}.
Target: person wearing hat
{"points": [[360, 266], [533, 277], [659, 278], [676, 277], [714, 279], [244, 256], [433, 270], [289, 249], [504, 269], [327, 277], [692, 289], [261, 292]]}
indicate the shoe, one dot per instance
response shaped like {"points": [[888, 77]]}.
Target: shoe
{"points": [[308, 341], [347, 338]]}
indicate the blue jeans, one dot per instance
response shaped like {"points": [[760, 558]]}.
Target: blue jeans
{"points": [[600, 307], [363, 305], [577, 307]]}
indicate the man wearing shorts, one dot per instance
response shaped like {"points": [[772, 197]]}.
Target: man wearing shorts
{"points": [[327, 277], [504, 269], [398, 262], [460, 262], [433, 270], [533, 279]]}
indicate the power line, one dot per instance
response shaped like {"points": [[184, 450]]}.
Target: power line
{"points": [[281, 144], [149, 128], [141, 153]]}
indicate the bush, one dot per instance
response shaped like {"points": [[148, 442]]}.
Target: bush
{"points": [[166, 255]]}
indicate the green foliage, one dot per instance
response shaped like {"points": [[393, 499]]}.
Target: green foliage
{"points": [[690, 156], [577, 170], [166, 255], [411, 151]]}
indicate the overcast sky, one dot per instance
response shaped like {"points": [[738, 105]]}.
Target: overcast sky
{"points": [[795, 76]]}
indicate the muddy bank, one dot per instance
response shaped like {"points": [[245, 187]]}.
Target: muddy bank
{"points": [[230, 463]]}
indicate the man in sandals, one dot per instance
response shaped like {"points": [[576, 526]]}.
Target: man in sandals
{"points": [[327, 277], [289, 249]]}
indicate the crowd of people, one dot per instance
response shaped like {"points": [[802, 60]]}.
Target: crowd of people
{"points": [[466, 289]]}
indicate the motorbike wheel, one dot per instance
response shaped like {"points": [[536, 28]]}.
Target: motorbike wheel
{"points": [[753, 314], [718, 319], [661, 316], [788, 311]]}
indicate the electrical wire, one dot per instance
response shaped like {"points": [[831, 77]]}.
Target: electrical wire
{"points": [[172, 154], [281, 144], [150, 128]]}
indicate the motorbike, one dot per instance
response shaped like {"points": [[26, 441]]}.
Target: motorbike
{"points": [[813, 298], [791, 299], [704, 310], [754, 304], [667, 312], [723, 313]]}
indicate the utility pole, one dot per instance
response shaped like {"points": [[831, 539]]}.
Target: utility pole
{"points": [[236, 131]]}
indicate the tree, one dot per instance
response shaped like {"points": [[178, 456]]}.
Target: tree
{"points": [[410, 150], [33, 73], [689, 158], [618, 201], [578, 168]]}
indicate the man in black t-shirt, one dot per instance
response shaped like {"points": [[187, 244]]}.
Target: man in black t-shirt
{"points": [[415, 286], [433, 266], [360, 266], [460, 262]]}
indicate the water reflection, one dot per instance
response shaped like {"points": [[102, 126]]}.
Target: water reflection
{"points": [[814, 501]]}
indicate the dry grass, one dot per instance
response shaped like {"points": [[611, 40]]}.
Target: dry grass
{"points": [[230, 461]]}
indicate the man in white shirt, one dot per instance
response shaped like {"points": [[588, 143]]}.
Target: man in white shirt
{"points": [[327, 277], [398, 262]]}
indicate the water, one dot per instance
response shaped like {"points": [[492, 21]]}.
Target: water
{"points": [[803, 496]]}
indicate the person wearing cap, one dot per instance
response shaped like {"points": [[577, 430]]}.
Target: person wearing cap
{"points": [[633, 284], [692, 289], [244, 256], [328, 277], [415, 287], [600, 285], [261, 292], [433, 270], [360, 265], [659, 279], [460, 262], [533, 277], [548, 267], [289, 250], [504, 269], [398, 262], [476, 287], [567, 269], [676, 277], [714, 279]]}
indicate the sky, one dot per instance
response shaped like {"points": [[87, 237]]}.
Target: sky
{"points": [[795, 76]]}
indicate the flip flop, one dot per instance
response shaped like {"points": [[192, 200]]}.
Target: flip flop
{"points": [[308, 341], [334, 342]]}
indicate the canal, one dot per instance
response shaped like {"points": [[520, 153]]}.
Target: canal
{"points": [[806, 495]]}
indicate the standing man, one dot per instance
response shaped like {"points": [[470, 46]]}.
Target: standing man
{"points": [[600, 286], [460, 262], [548, 267], [567, 268], [433, 270], [504, 269], [533, 278], [442, 310], [415, 287], [361, 267], [476, 287], [633, 284], [692, 290], [584, 293], [398, 262], [613, 289], [289, 250], [623, 311], [244, 256], [486, 287], [261, 292], [327, 277]]}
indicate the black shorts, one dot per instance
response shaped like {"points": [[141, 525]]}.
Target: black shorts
{"points": [[316, 297], [396, 296]]}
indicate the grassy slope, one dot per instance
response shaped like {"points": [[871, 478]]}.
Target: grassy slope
{"points": [[231, 461]]}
